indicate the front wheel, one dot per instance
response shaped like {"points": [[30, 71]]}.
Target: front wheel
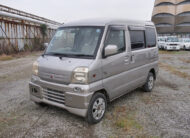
{"points": [[97, 108], [149, 85]]}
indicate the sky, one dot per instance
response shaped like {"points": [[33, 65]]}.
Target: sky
{"points": [[70, 10]]}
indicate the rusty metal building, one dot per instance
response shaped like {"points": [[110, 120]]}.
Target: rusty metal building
{"points": [[172, 16], [18, 28]]}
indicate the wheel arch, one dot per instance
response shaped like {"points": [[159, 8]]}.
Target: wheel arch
{"points": [[103, 91], [153, 72]]}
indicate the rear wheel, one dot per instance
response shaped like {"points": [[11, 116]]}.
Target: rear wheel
{"points": [[97, 108], [149, 85]]}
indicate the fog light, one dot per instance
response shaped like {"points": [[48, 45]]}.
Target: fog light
{"points": [[77, 89], [34, 90]]}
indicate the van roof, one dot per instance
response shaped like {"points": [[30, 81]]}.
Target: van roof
{"points": [[104, 22]]}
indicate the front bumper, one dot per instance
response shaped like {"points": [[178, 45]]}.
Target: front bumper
{"points": [[187, 48], [61, 95]]}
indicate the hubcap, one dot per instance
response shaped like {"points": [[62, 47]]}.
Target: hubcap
{"points": [[150, 82], [98, 108]]}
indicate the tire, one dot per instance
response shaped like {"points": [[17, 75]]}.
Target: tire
{"points": [[149, 85], [93, 117]]}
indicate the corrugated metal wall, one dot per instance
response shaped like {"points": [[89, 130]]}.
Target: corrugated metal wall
{"points": [[18, 32]]}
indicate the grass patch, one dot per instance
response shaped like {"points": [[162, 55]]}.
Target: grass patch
{"points": [[172, 52], [128, 123], [124, 119], [166, 58], [174, 70], [182, 67], [3, 77], [19, 55], [24, 54], [7, 120], [147, 99], [185, 60], [5, 57], [125, 123]]}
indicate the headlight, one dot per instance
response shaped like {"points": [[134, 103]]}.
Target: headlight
{"points": [[80, 75], [35, 68]]}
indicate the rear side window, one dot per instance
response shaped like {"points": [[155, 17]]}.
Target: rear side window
{"points": [[150, 37], [137, 40]]}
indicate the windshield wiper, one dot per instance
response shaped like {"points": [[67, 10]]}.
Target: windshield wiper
{"points": [[44, 54], [82, 55], [68, 55], [57, 54]]}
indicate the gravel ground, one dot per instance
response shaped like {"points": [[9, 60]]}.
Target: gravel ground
{"points": [[163, 113]]}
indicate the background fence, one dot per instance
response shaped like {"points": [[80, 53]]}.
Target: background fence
{"points": [[20, 30]]}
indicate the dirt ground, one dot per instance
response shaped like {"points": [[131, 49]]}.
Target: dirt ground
{"points": [[163, 113]]}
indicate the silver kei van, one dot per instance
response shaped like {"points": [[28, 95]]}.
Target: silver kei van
{"points": [[92, 62]]}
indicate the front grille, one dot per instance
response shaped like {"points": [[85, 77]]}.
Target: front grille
{"points": [[54, 96]]}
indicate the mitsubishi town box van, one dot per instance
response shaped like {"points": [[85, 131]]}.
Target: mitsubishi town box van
{"points": [[92, 62]]}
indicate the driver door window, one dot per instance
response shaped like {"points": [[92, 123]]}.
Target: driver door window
{"points": [[116, 37]]}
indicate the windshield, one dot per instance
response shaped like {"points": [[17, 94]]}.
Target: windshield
{"points": [[172, 40], [188, 40], [162, 39], [76, 42]]}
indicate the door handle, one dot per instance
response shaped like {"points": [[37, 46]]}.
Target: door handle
{"points": [[127, 57], [132, 58]]}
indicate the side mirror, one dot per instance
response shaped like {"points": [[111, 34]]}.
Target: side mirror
{"points": [[46, 45], [110, 50]]}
